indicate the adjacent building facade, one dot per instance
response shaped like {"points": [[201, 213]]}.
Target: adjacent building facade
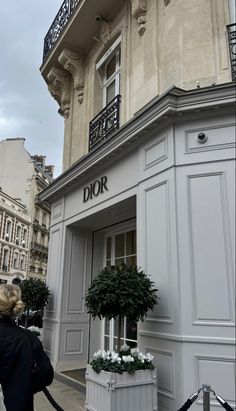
{"points": [[146, 91], [23, 177], [14, 239]]}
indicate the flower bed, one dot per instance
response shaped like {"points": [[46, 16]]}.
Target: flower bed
{"points": [[128, 360]]}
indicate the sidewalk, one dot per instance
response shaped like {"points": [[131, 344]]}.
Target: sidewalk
{"points": [[69, 396]]}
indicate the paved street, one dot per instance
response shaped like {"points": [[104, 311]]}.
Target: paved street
{"points": [[70, 398]]}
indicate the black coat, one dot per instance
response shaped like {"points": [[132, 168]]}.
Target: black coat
{"points": [[24, 367]]}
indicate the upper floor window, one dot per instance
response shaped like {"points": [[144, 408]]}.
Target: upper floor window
{"points": [[111, 86], [18, 234], [108, 68], [108, 119]]}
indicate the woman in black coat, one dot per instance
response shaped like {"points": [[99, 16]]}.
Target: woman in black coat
{"points": [[24, 367]]}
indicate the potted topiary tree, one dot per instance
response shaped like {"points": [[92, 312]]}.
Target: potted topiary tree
{"points": [[35, 294], [123, 380]]}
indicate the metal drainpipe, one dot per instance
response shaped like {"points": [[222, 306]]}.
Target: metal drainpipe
{"points": [[232, 17]]}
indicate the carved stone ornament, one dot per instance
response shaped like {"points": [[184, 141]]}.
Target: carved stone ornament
{"points": [[105, 33], [139, 10], [73, 62], [60, 88], [166, 2]]}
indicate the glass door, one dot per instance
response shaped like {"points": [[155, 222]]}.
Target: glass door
{"points": [[120, 248]]}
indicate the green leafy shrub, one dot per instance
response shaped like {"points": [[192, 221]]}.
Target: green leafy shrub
{"points": [[119, 292], [35, 294]]}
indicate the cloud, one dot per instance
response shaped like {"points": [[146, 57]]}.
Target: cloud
{"points": [[26, 107]]}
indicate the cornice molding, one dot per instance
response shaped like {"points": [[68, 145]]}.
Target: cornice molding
{"points": [[139, 11], [73, 62], [60, 88], [173, 103]]}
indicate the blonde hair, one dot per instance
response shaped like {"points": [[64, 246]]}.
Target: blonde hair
{"points": [[10, 300]]}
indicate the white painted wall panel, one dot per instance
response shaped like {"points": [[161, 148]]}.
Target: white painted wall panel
{"points": [[74, 318], [157, 252], [208, 246], [54, 269], [220, 143], [77, 273]]}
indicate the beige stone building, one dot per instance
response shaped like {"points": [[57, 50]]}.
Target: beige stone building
{"points": [[147, 93], [23, 177], [15, 226]]}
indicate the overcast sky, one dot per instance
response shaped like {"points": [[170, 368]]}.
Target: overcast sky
{"points": [[26, 106]]}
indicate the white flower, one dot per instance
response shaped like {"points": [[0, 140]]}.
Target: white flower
{"points": [[124, 347], [127, 358], [141, 357], [115, 357], [34, 329], [134, 352], [100, 354], [149, 357]]}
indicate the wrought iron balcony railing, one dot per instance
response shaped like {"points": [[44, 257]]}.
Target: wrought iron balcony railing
{"points": [[107, 121], [58, 25], [39, 247], [231, 28]]}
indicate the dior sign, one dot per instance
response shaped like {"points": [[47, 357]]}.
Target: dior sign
{"points": [[95, 188]]}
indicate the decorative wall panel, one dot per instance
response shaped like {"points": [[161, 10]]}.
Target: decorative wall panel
{"points": [[217, 138], [209, 247], [165, 363], [219, 372], [76, 274], [74, 342], [53, 269], [48, 339], [158, 246], [156, 153]]}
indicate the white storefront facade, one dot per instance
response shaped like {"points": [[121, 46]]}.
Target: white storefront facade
{"points": [[159, 192]]}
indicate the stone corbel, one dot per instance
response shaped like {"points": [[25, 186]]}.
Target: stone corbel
{"points": [[105, 33], [60, 88], [73, 62], [139, 11]]}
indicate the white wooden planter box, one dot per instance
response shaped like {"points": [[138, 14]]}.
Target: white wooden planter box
{"points": [[109, 391]]}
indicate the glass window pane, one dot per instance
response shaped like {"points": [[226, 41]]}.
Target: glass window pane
{"points": [[119, 261], [131, 242], [110, 92], [116, 329], [132, 344], [106, 343], [119, 57], [131, 330], [107, 327], [108, 263], [131, 260], [108, 256], [119, 245], [111, 67]]}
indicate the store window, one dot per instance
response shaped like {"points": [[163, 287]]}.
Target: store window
{"points": [[120, 248]]}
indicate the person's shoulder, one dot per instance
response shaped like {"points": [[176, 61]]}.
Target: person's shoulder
{"points": [[22, 331]]}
